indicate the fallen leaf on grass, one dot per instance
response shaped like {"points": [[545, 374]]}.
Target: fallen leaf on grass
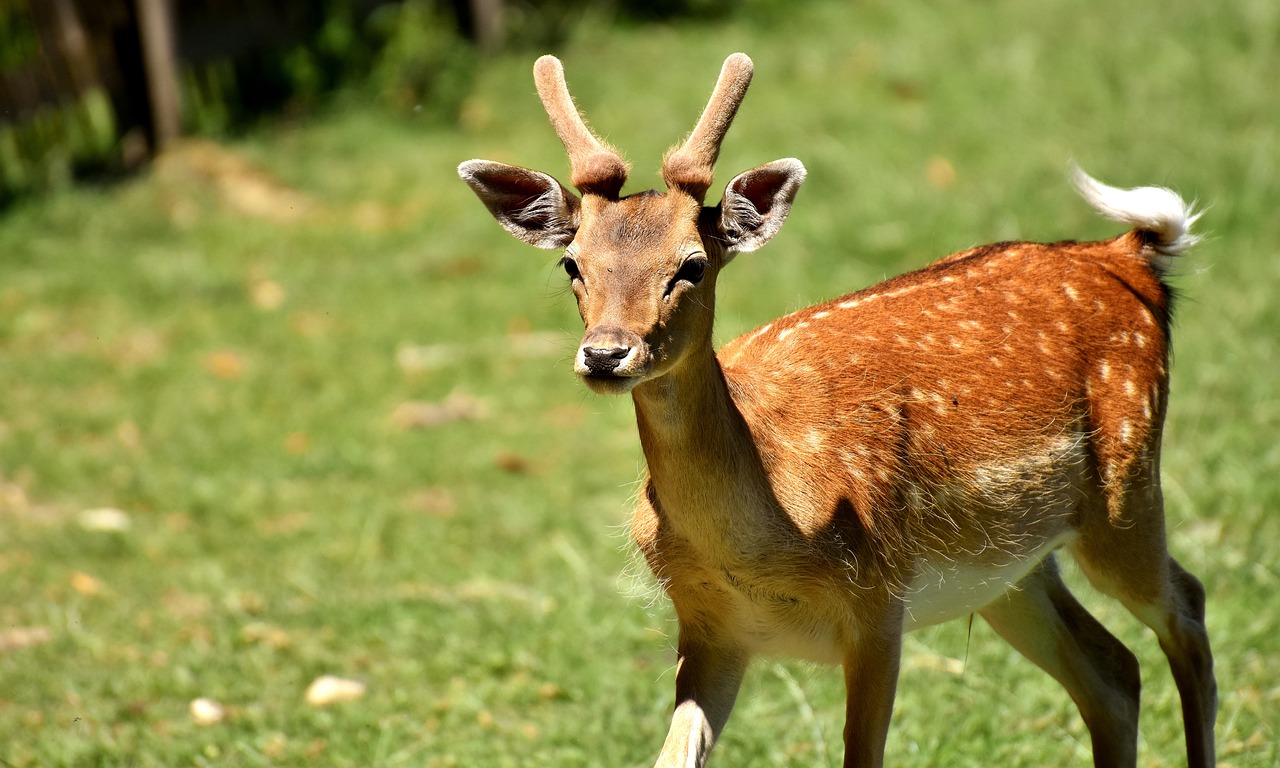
{"points": [[940, 172], [311, 325], [13, 498], [328, 689], [297, 443], [17, 638], [435, 502], [265, 634], [104, 519], [276, 746], [225, 365], [267, 295], [129, 435], [86, 585], [417, 414], [513, 463], [241, 184]]}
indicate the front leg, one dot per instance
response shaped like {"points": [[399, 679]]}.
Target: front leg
{"points": [[871, 681], [707, 680]]}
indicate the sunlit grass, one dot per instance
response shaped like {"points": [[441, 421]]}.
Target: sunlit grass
{"points": [[224, 350]]}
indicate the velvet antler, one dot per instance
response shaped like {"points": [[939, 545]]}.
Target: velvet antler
{"points": [[596, 168]]}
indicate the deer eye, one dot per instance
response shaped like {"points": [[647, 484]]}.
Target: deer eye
{"points": [[571, 268], [692, 271]]}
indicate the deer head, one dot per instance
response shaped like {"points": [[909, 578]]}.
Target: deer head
{"points": [[643, 267]]}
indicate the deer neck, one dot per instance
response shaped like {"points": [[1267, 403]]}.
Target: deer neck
{"points": [[701, 458]]}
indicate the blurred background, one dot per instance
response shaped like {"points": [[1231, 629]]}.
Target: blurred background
{"points": [[98, 87], [293, 466]]}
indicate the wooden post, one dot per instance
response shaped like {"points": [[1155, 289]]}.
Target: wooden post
{"points": [[156, 30], [489, 27]]}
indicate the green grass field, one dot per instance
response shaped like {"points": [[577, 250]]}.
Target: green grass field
{"points": [[335, 402]]}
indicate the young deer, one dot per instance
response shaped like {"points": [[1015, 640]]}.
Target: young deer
{"points": [[897, 457]]}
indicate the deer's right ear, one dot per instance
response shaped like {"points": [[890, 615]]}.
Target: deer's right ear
{"points": [[529, 204]]}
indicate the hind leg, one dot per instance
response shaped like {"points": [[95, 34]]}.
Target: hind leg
{"points": [[1132, 564], [1042, 620]]}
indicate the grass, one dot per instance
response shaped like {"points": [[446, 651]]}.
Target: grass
{"points": [[234, 350]]}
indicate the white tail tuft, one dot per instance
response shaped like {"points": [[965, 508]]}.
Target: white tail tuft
{"points": [[1155, 210]]}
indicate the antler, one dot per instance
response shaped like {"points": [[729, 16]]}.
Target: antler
{"points": [[596, 168], [689, 166]]}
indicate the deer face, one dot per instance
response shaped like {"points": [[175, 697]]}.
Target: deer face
{"points": [[644, 283], [642, 267]]}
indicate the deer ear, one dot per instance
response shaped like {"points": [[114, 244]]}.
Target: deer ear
{"points": [[757, 202], [529, 204]]}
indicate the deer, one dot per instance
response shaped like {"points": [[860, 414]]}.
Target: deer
{"points": [[911, 453]]}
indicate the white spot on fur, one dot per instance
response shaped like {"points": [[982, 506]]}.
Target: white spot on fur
{"points": [[1140, 340], [1071, 292], [1104, 370], [759, 333], [820, 315], [784, 333]]}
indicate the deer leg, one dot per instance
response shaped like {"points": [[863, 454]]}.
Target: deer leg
{"points": [[1170, 601], [707, 681], [1126, 556], [1044, 622], [871, 681], [1180, 627]]}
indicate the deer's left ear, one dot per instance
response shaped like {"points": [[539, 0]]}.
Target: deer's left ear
{"points": [[757, 202], [529, 204]]}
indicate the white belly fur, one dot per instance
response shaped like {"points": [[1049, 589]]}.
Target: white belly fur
{"points": [[948, 590]]}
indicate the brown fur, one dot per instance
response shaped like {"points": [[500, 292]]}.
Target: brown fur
{"points": [[902, 455]]}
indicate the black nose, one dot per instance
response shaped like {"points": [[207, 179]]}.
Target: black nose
{"points": [[606, 360]]}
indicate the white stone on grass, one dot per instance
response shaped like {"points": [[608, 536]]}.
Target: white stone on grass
{"points": [[327, 689]]}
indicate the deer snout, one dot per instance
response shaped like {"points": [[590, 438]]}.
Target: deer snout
{"points": [[612, 353], [605, 360]]}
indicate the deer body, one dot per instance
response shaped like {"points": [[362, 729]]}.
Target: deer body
{"points": [[904, 455], [958, 464]]}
